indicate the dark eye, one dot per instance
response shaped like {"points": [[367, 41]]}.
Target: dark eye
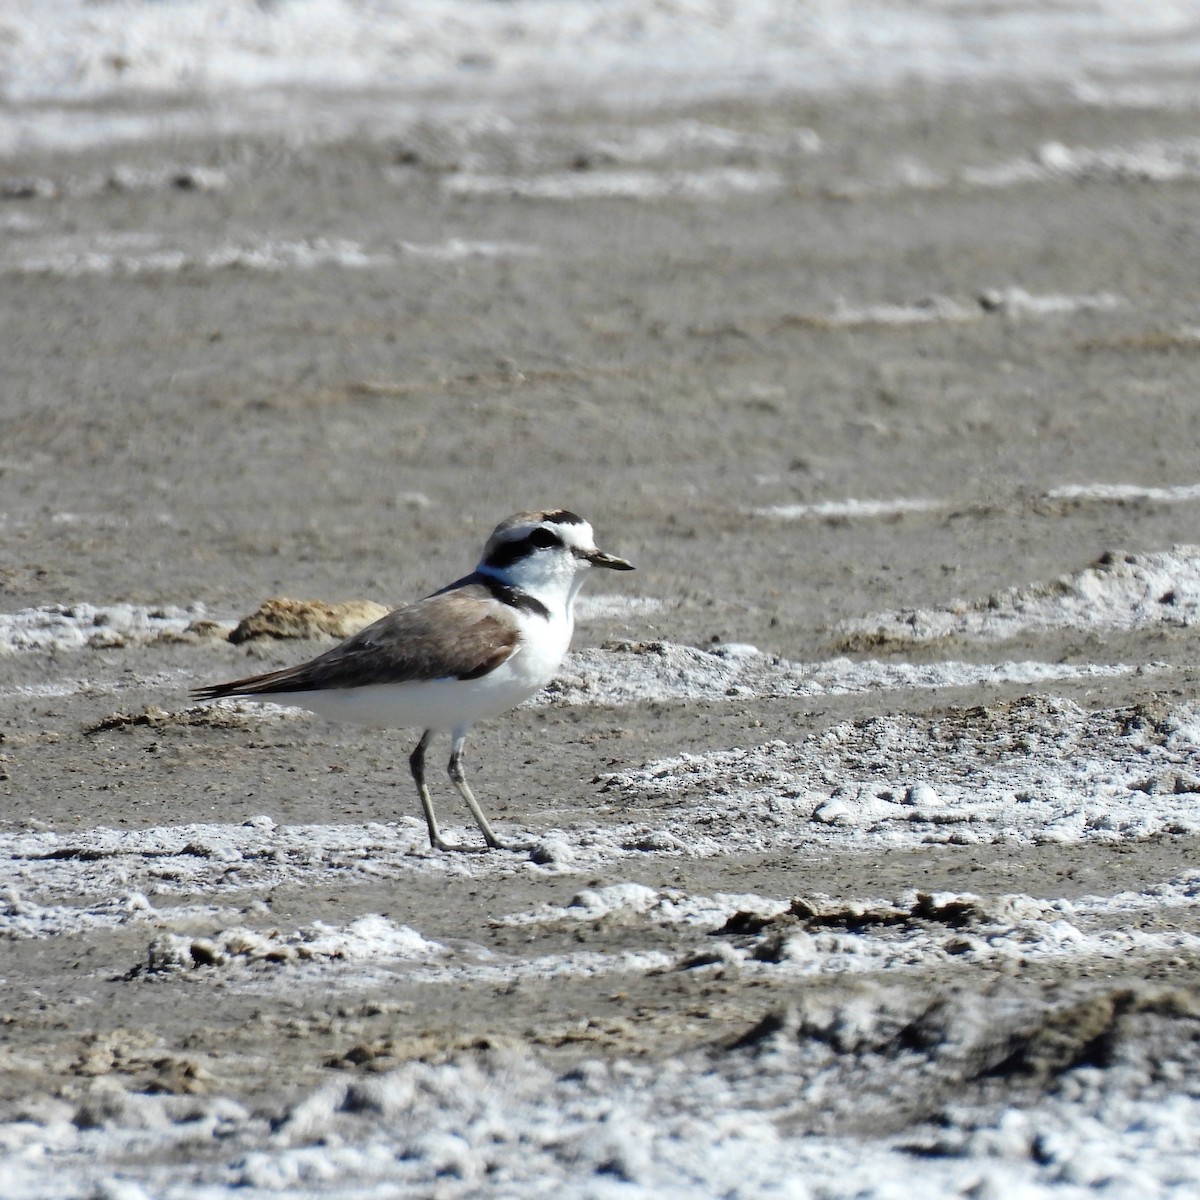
{"points": [[542, 538]]}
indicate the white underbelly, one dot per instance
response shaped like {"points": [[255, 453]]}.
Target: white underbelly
{"points": [[434, 704]]}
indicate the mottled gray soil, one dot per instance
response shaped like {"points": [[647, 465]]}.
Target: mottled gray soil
{"points": [[666, 366]]}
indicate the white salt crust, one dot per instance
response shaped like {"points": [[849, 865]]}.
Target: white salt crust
{"points": [[1121, 592]]}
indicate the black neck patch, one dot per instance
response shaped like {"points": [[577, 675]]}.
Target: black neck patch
{"points": [[512, 596]]}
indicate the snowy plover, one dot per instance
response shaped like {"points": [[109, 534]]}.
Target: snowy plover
{"points": [[478, 647]]}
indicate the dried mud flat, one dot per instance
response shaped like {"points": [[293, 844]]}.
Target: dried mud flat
{"points": [[865, 817]]}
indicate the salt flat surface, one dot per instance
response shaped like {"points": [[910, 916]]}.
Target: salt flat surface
{"points": [[370, 936], [946, 929], [102, 255], [1122, 493], [1030, 771], [650, 671], [915, 931], [1033, 770], [1120, 592], [662, 906], [67, 49], [604, 607], [716, 183], [1079, 493], [1012, 302], [112, 685], [76, 626], [850, 509], [888, 1040], [621, 143], [725, 1117], [700, 1124], [1158, 160]]}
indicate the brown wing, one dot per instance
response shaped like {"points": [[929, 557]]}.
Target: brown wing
{"points": [[452, 635]]}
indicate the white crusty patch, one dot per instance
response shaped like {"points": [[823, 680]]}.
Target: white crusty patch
{"points": [[1121, 591], [663, 671], [78, 626], [1035, 770]]}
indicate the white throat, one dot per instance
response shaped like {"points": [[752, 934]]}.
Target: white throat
{"points": [[553, 578]]}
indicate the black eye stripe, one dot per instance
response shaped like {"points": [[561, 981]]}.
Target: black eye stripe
{"points": [[507, 553]]}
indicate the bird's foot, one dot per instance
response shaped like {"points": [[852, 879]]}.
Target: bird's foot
{"points": [[492, 843], [512, 847]]}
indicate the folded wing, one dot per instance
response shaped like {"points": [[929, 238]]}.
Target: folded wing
{"points": [[451, 635]]}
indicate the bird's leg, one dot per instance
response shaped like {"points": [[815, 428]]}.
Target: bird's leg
{"points": [[460, 781], [416, 762]]}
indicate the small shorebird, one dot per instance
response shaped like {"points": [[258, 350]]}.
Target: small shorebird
{"points": [[474, 649]]}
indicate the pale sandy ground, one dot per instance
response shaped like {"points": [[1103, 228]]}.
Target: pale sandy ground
{"points": [[464, 343]]}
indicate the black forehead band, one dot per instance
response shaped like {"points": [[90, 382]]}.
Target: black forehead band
{"points": [[564, 516]]}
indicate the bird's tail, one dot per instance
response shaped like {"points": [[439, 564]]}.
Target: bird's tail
{"points": [[285, 680]]}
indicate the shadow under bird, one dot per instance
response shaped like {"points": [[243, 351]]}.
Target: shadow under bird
{"points": [[474, 649]]}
